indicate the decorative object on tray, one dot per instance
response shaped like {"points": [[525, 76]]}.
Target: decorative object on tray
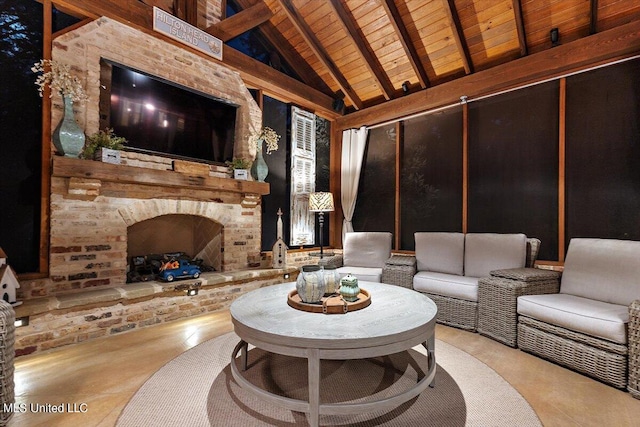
{"points": [[280, 248], [349, 288], [104, 146], [240, 167], [269, 138], [310, 284], [321, 202], [67, 137], [331, 280], [330, 304]]}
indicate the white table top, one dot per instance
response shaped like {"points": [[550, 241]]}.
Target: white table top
{"points": [[394, 312]]}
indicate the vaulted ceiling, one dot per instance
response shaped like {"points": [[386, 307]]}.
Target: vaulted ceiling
{"points": [[371, 51]]}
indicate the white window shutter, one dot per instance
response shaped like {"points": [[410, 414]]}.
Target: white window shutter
{"points": [[303, 176]]}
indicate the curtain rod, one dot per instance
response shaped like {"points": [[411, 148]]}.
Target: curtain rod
{"points": [[464, 99]]}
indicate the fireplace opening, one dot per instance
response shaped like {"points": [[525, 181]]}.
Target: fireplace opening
{"points": [[153, 242]]}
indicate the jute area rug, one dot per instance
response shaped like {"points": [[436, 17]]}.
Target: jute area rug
{"points": [[197, 389]]}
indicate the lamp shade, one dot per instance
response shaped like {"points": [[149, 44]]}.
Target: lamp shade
{"points": [[321, 202]]}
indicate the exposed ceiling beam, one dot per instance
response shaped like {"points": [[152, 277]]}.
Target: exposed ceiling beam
{"points": [[276, 84], [241, 22], [522, 35], [291, 56], [405, 40], [187, 10], [370, 59], [316, 47], [458, 35], [600, 48], [593, 23]]}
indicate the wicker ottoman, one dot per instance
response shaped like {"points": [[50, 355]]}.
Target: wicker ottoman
{"points": [[399, 270], [498, 295], [7, 353]]}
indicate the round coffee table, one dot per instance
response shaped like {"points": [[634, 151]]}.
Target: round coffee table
{"points": [[397, 320]]}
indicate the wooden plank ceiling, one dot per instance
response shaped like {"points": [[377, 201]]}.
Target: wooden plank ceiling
{"points": [[367, 50]]}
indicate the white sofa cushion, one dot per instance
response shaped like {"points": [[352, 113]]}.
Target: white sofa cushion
{"points": [[588, 316], [367, 274], [484, 252], [366, 249], [602, 269], [461, 287], [440, 252]]}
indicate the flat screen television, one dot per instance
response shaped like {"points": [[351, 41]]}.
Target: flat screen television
{"points": [[160, 117]]}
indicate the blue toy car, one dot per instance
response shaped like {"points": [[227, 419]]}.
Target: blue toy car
{"points": [[179, 269]]}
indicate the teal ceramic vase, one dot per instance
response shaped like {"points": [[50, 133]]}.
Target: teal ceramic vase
{"points": [[68, 137], [259, 168], [310, 284], [349, 288]]}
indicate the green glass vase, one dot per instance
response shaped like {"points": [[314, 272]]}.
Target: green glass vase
{"points": [[259, 168], [68, 137]]}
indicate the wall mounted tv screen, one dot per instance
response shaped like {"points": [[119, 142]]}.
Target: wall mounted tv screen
{"points": [[160, 117]]}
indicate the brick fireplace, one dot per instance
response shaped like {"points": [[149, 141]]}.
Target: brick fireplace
{"points": [[95, 208], [94, 205]]}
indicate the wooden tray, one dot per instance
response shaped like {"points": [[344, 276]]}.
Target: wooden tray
{"points": [[333, 304]]}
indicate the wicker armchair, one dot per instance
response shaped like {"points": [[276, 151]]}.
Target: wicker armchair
{"points": [[592, 324], [364, 255]]}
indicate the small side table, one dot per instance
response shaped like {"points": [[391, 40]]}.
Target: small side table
{"points": [[335, 260], [399, 270], [498, 296]]}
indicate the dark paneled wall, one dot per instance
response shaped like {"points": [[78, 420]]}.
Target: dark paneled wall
{"points": [[375, 209], [514, 164], [431, 180], [277, 115], [603, 153]]}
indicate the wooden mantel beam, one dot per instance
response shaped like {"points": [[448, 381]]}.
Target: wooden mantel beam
{"points": [[616, 43], [276, 84], [68, 167]]}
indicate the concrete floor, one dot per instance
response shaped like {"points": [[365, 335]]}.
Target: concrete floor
{"points": [[97, 378]]}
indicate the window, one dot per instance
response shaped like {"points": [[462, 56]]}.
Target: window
{"points": [[303, 176]]}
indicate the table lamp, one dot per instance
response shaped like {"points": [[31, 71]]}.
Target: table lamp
{"points": [[321, 202]]}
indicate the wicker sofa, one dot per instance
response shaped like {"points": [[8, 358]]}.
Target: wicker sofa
{"points": [[592, 325], [449, 265]]}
